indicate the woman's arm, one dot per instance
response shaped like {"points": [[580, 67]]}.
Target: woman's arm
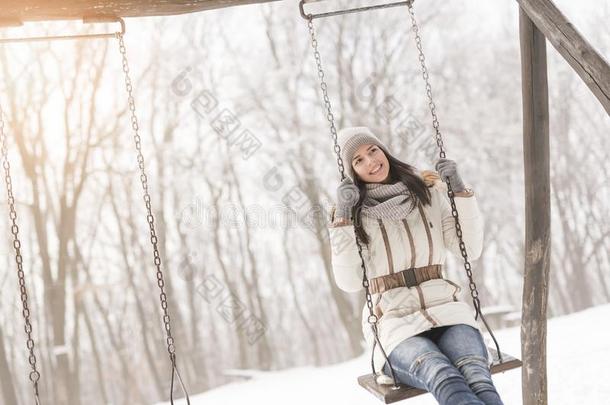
{"points": [[346, 262], [471, 222]]}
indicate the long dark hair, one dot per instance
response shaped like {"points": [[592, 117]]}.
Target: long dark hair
{"points": [[399, 171]]}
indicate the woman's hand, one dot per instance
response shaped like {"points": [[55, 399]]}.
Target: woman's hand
{"points": [[347, 197], [447, 169]]}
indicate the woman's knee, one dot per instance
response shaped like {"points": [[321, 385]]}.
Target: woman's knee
{"points": [[462, 340], [411, 368], [410, 350], [434, 368], [476, 372]]}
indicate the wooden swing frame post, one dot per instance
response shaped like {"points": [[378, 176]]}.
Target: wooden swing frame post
{"points": [[537, 211], [592, 68], [541, 20]]}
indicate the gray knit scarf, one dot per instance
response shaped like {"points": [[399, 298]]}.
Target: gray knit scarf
{"points": [[388, 201]]}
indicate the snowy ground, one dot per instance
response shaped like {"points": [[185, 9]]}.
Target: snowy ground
{"points": [[578, 358]]}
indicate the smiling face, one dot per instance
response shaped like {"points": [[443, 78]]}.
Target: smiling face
{"points": [[371, 164]]}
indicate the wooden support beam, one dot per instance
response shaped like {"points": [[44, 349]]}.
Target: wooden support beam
{"points": [[584, 59], [537, 211], [13, 12]]}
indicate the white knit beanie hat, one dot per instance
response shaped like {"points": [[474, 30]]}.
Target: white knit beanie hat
{"points": [[350, 139]]}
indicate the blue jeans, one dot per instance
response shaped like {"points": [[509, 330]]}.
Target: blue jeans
{"points": [[450, 362]]}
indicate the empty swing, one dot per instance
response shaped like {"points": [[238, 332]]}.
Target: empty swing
{"points": [[34, 375], [392, 391]]}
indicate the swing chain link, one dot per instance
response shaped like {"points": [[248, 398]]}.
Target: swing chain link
{"points": [[426, 76], [149, 217], [171, 348], [372, 318], [34, 374], [324, 87], [474, 293]]}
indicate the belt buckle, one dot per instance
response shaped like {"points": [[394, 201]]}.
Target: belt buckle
{"points": [[409, 276]]}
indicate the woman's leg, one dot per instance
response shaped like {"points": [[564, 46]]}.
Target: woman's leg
{"points": [[466, 349], [418, 362]]}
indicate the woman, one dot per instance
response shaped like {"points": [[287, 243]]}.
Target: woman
{"points": [[406, 227]]}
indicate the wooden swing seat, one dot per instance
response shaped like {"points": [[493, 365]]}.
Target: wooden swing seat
{"points": [[387, 394]]}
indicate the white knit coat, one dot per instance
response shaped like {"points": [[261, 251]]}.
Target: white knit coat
{"points": [[421, 239]]}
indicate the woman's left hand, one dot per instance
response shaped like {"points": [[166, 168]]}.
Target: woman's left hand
{"points": [[447, 169]]}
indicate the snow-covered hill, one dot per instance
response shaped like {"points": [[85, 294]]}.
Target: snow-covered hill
{"points": [[578, 358]]}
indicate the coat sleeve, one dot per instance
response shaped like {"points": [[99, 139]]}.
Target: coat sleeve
{"points": [[346, 262], [471, 223]]}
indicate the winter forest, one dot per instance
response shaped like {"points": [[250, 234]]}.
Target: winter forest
{"points": [[241, 212]]}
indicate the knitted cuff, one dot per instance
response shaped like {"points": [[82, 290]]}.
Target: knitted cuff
{"points": [[344, 212]]}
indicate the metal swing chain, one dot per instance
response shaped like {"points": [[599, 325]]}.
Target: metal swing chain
{"points": [[474, 293], [34, 374], [171, 349], [372, 318], [324, 87]]}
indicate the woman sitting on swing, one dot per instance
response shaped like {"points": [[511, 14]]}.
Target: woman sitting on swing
{"points": [[405, 224]]}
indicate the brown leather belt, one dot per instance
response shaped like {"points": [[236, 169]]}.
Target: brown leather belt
{"points": [[405, 278]]}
